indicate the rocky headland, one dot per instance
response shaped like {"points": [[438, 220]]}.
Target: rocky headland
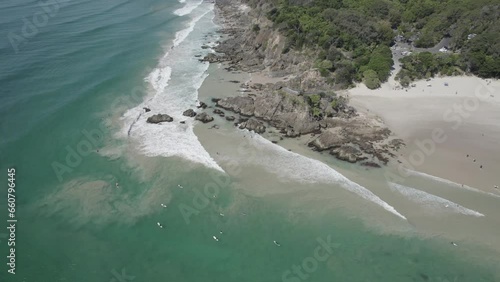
{"points": [[300, 101]]}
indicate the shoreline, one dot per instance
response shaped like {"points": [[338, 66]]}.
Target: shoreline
{"points": [[374, 179]]}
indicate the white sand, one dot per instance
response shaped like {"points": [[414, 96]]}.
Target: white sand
{"points": [[466, 113]]}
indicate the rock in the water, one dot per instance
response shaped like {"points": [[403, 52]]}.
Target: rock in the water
{"points": [[146, 109], [202, 105], [230, 118], [370, 164], [189, 113], [215, 100], [253, 124], [183, 122], [219, 112], [204, 117], [211, 58], [159, 118]]}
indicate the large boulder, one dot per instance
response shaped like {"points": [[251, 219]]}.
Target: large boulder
{"points": [[202, 105], [348, 153], [211, 58], [329, 139], [204, 117], [189, 113], [219, 112], [253, 125], [242, 105], [159, 118]]}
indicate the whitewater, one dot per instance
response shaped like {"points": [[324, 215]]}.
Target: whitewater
{"points": [[174, 84]]}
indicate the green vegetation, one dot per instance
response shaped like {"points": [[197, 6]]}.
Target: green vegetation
{"points": [[256, 28], [314, 102], [338, 102], [370, 78], [352, 37], [426, 65]]}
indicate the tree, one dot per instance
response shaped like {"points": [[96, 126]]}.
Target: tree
{"points": [[371, 79]]}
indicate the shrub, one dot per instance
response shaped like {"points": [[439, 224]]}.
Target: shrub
{"points": [[371, 80], [256, 28]]}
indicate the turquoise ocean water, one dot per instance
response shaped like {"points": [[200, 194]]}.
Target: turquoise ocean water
{"points": [[88, 204]]}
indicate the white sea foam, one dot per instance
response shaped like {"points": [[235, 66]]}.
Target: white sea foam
{"points": [[290, 165], [159, 78], [174, 85], [432, 201], [188, 8], [449, 182], [180, 36]]}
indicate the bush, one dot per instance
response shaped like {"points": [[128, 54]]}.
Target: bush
{"points": [[371, 80], [405, 81], [314, 100], [256, 28]]}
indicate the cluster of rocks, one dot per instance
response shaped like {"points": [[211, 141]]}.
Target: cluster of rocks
{"points": [[203, 117], [345, 134]]}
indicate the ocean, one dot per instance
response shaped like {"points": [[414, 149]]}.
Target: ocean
{"points": [[103, 196]]}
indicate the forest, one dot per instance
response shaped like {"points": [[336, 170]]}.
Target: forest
{"points": [[352, 38]]}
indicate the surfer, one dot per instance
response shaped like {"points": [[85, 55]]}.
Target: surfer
{"points": [[163, 205], [454, 244], [159, 225], [276, 243], [180, 186], [215, 238]]}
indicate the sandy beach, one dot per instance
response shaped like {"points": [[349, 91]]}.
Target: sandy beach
{"points": [[463, 111]]}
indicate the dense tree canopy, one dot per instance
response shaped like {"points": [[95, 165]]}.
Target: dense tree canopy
{"points": [[354, 36]]}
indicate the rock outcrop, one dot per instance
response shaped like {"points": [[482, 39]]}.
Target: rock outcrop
{"points": [[253, 125], [202, 105], [348, 153], [204, 117], [189, 113], [284, 111], [159, 118], [219, 112]]}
